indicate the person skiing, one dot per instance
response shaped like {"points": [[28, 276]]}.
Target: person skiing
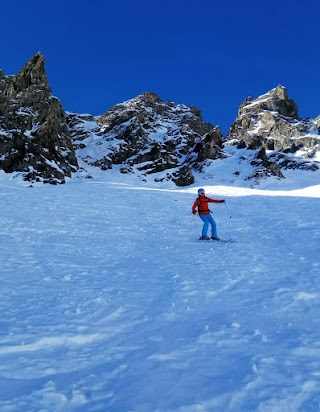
{"points": [[201, 204]]}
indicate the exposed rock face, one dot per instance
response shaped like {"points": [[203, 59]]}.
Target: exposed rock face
{"points": [[145, 135], [316, 125], [271, 122], [184, 176], [34, 138], [276, 100], [210, 146], [264, 167]]}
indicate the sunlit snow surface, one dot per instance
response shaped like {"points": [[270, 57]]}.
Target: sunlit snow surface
{"points": [[110, 303]]}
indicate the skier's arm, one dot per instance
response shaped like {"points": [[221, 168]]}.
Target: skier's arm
{"points": [[215, 200], [194, 207]]}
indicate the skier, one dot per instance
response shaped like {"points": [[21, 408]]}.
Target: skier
{"points": [[204, 213]]}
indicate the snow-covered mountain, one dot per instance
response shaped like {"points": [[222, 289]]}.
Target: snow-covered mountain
{"points": [[146, 136], [154, 141]]}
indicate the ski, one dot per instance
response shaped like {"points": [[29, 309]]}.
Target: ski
{"points": [[219, 240]]}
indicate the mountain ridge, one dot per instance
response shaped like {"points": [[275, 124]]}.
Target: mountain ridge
{"points": [[146, 136]]}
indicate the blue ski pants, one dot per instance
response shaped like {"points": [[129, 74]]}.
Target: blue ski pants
{"points": [[208, 219]]}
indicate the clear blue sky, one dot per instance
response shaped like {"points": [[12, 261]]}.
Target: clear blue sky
{"points": [[209, 53]]}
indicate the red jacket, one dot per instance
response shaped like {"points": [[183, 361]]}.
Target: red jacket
{"points": [[202, 204]]}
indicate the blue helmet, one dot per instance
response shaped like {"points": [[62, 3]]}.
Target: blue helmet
{"points": [[201, 191]]}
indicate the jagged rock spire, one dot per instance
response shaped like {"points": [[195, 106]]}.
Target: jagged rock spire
{"points": [[32, 73], [35, 140]]}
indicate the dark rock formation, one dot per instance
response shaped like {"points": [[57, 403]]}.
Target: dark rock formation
{"points": [[183, 177], [34, 138], [264, 167], [210, 146]]}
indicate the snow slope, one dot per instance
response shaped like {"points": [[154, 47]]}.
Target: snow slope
{"points": [[110, 303]]}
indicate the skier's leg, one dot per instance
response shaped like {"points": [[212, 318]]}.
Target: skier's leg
{"points": [[205, 227], [213, 226]]}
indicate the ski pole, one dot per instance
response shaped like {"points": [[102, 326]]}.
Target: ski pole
{"points": [[193, 217], [227, 209]]}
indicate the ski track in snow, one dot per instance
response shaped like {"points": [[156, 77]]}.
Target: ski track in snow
{"points": [[110, 303]]}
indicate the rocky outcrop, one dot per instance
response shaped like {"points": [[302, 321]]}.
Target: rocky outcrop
{"points": [[264, 167], [271, 123], [147, 136], [316, 125], [35, 140], [276, 100], [210, 146]]}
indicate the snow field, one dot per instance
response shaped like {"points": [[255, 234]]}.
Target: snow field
{"points": [[110, 303]]}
